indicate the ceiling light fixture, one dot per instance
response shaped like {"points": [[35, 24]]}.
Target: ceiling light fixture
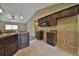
{"points": [[21, 12], [13, 19], [21, 17], [1, 11]]}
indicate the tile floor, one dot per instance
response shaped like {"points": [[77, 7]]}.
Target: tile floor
{"points": [[40, 48]]}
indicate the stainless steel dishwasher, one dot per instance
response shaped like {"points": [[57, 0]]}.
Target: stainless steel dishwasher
{"points": [[23, 40]]}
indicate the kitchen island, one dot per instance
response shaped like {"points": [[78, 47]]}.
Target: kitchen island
{"points": [[11, 42], [8, 44]]}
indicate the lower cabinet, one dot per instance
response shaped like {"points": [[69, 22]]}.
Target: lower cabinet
{"points": [[52, 38], [39, 35], [10, 50], [8, 45], [2, 51]]}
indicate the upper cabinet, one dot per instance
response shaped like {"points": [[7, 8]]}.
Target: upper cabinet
{"points": [[47, 21], [43, 22], [67, 12], [51, 20]]}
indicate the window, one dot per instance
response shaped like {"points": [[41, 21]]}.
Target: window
{"points": [[11, 27]]}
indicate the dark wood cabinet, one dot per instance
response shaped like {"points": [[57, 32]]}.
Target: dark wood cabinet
{"points": [[8, 45], [0, 31], [43, 22], [39, 35], [11, 49], [2, 51], [51, 20], [52, 38], [77, 8], [67, 12], [47, 21]]}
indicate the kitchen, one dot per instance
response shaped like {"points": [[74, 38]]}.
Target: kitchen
{"points": [[51, 26]]}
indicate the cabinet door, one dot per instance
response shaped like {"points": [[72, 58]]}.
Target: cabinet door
{"points": [[11, 49], [77, 7], [2, 52], [51, 38], [43, 22], [52, 20], [67, 12], [39, 35]]}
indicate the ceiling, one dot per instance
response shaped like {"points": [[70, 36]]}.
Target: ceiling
{"points": [[14, 9]]}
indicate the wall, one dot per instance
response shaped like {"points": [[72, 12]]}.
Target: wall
{"points": [[67, 34], [43, 12], [2, 27], [78, 34], [30, 29], [21, 27]]}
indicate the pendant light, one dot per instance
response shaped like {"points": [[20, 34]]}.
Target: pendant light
{"points": [[1, 11], [21, 12], [13, 19]]}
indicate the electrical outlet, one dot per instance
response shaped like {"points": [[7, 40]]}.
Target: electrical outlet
{"points": [[66, 41]]}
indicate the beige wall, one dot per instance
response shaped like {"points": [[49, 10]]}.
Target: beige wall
{"points": [[30, 27], [21, 27], [78, 34], [67, 34], [2, 27]]}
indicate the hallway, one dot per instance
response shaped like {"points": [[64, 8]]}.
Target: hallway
{"points": [[39, 48]]}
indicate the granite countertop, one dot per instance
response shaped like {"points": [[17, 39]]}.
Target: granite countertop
{"points": [[21, 32], [6, 35], [10, 34]]}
